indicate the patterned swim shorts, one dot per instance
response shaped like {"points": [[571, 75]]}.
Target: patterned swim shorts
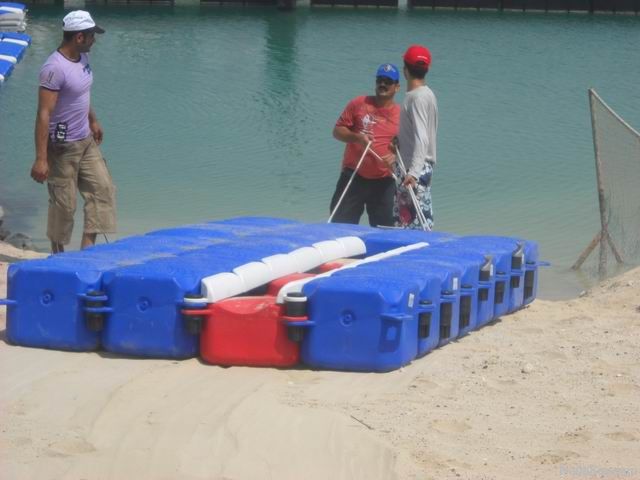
{"points": [[404, 211]]}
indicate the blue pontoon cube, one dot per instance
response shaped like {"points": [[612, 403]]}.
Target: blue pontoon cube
{"points": [[49, 300], [361, 322], [146, 299]]}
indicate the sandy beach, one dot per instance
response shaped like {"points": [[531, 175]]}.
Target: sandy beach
{"points": [[549, 392]]}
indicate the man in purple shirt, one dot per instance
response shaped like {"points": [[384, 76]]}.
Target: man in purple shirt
{"points": [[67, 135]]}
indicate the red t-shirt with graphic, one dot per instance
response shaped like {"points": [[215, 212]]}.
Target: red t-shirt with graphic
{"points": [[363, 116]]}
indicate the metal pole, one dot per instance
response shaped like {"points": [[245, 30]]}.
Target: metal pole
{"points": [[344, 192]]}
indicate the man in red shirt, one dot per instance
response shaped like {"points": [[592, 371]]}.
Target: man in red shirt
{"points": [[367, 119]]}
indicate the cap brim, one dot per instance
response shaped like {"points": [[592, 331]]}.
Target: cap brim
{"points": [[97, 29]]}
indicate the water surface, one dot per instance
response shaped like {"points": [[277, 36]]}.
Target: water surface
{"points": [[216, 112]]}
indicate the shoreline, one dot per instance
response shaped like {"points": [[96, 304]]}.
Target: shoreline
{"points": [[557, 282], [541, 393]]}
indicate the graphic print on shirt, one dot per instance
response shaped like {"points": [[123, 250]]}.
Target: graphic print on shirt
{"points": [[60, 132], [368, 121], [50, 77]]}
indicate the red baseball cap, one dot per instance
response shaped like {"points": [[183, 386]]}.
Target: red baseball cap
{"points": [[417, 56]]}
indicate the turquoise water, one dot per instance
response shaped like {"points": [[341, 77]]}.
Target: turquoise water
{"points": [[217, 112]]}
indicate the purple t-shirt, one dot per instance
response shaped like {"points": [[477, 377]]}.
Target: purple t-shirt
{"points": [[72, 80]]}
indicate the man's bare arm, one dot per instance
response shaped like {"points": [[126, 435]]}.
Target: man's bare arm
{"points": [[47, 100]]}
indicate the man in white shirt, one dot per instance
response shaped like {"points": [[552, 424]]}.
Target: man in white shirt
{"points": [[416, 141]]}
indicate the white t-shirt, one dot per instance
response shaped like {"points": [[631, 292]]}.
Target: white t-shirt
{"points": [[418, 128]]}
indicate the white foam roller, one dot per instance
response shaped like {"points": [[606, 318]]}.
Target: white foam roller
{"points": [[221, 286], [297, 285], [353, 246], [306, 258], [253, 274], [15, 40], [280, 265], [18, 11], [330, 250]]}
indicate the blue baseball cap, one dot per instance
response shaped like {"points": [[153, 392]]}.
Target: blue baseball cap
{"points": [[388, 70]]}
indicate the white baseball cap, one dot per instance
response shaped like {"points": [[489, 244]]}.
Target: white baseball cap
{"points": [[79, 20]]}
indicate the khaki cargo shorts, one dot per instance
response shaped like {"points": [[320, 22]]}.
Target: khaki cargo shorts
{"points": [[79, 166]]}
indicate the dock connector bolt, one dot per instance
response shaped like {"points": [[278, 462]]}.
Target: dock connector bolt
{"points": [[94, 303], [295, 310], [194, 313]]}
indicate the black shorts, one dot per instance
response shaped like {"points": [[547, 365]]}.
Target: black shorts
{"points": [[377, 195]]}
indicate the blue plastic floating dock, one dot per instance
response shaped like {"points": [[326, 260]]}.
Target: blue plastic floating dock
{"points": [[13, 44], [147, 298], [11, 51], [6, 67], [49, 303], [351, 297]]}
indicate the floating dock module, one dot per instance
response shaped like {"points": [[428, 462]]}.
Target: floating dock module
{"points": [[263, 291], [6, 67], [247, 331], [361, 322], [430, 303], [356, 319], [50, 302], [449, 276], [15, 37], [510, 269], [12, 52], [147, 299], [468, 311], [482, 273], [12, 44], [12, 16]]}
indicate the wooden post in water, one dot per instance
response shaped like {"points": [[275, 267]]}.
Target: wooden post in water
{"points": [[602, 262], [603, 238]]}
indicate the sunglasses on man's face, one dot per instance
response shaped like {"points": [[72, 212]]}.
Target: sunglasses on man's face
{"points": [[385, 81]]}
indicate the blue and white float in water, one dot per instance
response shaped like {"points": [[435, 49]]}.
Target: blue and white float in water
{"points": [[12, 49], [16, 37], [271, 292], [13, 17], [13, 44], [6, 67]]}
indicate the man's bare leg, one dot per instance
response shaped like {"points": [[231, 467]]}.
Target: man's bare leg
{"points": [[88, 240], [57, 247]]}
